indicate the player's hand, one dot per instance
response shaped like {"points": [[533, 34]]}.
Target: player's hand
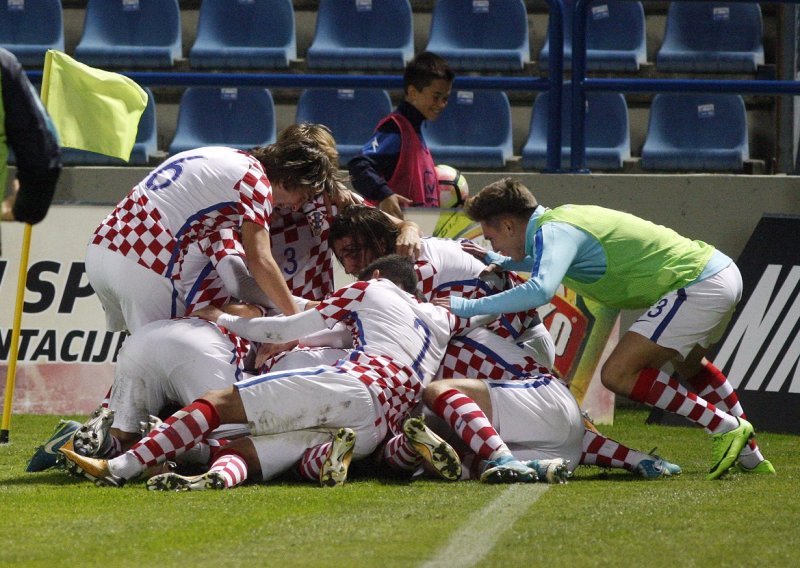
{"points": [[342, 197], [409, 241], [442, 302], [210, 313], [267, 351], [7, 205], [394, 205], [475, 250]]}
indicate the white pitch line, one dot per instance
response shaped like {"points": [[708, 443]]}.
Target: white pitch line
{"points": [[469, 545]]}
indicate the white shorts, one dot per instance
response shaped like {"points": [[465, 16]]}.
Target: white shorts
{"points": [[169, 361], [537, 418], [302, 357], [311, 399], [695, 315], [131, 294]]}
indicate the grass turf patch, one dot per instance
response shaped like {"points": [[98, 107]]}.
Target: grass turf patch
{"points": [[599, 518]]}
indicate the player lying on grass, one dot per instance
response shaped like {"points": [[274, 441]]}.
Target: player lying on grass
{"points": [[400, 343], [359, 235], [688, 289]]}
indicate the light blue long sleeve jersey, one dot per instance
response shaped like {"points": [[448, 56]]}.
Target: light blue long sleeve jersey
{"points": [[556, 250]]}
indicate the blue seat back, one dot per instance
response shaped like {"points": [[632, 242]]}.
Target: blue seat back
{"points": [[616, 38], [698, 121], [227, 28], [130, 33], [480, 35], [712, 36], [607, 128], [351, 114], [28, 29], [696, 131], [473, 130], [377, 34], [229, 116]]}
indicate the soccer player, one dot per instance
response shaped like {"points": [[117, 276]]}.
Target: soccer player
{"points": [[138, 250], [688, 289], [400, 343], [513, 347]]}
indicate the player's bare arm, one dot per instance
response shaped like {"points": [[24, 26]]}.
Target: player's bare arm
{"points": [[265, 270]]}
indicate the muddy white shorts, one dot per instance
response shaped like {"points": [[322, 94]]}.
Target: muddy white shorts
{"points": [[311, 399]]}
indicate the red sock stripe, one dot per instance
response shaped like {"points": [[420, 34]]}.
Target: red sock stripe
{"points": [[644, 383]]}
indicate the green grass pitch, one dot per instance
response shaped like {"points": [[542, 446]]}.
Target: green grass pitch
{"points": [[600, 518]]}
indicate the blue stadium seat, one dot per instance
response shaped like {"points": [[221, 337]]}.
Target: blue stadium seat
{"points": [[712, 37], [481, 36], [146, 145], [351, 114], [29, 29], [608, 140], [616, 38], [130, 34], [705, 132], [473, 131], [237, 117], [362, 34], [245, 34]]}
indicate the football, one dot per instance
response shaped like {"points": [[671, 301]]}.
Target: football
{"points": [[453, 188]]}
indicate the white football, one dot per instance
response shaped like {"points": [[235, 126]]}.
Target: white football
{"points": [[453, 188]]}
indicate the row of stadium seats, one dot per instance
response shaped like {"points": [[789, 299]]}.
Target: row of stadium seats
{"points": [[473, 35], [685, 132]]}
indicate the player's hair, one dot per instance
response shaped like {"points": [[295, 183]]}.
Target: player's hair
{"points": [[297, 160], [319, 133], [399, 269], [424, 69], [370, 228], [505, 197]]}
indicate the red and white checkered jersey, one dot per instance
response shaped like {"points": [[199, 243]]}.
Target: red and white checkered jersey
{"points": [[199, 283], [399, 341], [299, 241], [444, 270], [190, 196]]}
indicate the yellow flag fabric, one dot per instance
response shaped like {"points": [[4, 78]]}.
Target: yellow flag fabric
{"points": [[92, 109]]}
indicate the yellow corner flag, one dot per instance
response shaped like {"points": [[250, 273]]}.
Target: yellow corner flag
{"points": [[92, 109]]}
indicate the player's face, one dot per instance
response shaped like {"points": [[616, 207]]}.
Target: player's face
{"points": [[291, 197], [506, 237], [353, 256], [431, 100]]}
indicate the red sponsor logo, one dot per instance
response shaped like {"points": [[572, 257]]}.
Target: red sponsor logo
{"points": [[570, 328]]}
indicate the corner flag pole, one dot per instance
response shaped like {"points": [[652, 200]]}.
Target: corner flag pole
{"points": [[11, 373]]}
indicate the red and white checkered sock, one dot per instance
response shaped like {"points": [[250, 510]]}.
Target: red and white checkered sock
{"points": [[605, 452], [658, 389], [400, 455], [179, 432], [470, 423], [312, 461], [712, 384], [232, 466]]}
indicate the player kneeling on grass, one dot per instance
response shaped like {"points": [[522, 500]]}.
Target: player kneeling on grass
{"points": [[399, 345]]}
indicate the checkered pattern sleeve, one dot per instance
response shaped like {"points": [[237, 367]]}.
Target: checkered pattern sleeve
{"points": [[340, 305], [255, 195]]}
